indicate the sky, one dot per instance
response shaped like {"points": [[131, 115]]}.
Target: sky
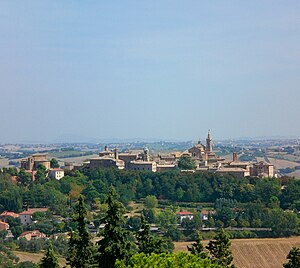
{"points": [[76, 70]]}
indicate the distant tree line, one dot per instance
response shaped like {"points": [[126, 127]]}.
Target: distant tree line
{"points": [[245, 202]]}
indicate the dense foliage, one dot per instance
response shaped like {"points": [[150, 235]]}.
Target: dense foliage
{"points": [[219, 249], [115, 242], [293, 258], [49, 260], [80, 252], [245, 202], [167, 260]]}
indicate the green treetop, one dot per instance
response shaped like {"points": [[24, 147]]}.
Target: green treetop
{"points": [[49, 260], [219, 249], [148, 243], [186, 162], [80, 252], [114, 243], [293, 258], [197, 248], [54, 163]]}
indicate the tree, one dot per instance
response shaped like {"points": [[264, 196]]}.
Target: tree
{"points": [[148, 243], [293, 258], [151, 202], [166, 218], [149, 215], [24, 178], [186, 162], [54, 163], [219, 249], [49, 260], [115, 243], [15, 226], [177, 260], [80, 252], [10, 194], [40, 174], [197, 248], [26, 264]]}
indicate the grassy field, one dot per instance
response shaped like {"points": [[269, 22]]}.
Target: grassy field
{"points": [[295, 174], [248, 253], [35, 257], [3, 162], [258, 253], [278, 163]]}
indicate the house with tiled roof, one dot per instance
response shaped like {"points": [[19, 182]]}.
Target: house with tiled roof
{"points": [[35, 234], [184, 215], [4, 226], [26, 216], [5, 214]]}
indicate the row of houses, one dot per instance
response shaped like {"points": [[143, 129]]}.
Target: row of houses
{"points": [[26, 218], [138, 160]]}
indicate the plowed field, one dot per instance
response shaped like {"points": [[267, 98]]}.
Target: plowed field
{"points": [[257, 253]]}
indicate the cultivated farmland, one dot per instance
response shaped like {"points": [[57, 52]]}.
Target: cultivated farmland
{"points": [[258, 253]]}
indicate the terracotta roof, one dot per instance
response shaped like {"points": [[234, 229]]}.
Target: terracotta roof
{"points": [[5, 223], [262, 163], [33, 210], [9, 213], [206, 212], [140, 162], [239, 163], [33, 233], [182, 213], [232, 169]]}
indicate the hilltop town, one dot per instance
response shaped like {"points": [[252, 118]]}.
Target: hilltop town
{"points": [[179, 188], [204, 157]]}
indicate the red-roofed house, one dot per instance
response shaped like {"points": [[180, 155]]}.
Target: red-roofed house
{"points": [[26, 216], [4, 226], [4, 215], [184, 215], [205, 214], [35, 234]]}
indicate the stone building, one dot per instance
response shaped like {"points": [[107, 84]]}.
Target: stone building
{"points": [[204, 155], [106, 162], [128, 157], [30, 235], [262, 169], [142, 165], [56, 173], [26, 216], [33, 161]]}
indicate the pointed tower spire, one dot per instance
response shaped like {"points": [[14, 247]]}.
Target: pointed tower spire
{"points": [[209, 142]]}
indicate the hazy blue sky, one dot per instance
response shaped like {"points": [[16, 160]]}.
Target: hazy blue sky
{"points": [[165, 69]]}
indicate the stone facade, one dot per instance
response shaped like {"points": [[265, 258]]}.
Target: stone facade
{"points": [[33, 161], [262, 169]]}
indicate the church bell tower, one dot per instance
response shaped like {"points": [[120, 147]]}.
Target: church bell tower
{"points": [[208, 143]]}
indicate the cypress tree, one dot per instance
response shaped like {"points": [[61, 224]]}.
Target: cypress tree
{"points": [[49, 260], [293, 258], [80, 251], [115, 243], [197, 248], [219, 249], [148, 243]]}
